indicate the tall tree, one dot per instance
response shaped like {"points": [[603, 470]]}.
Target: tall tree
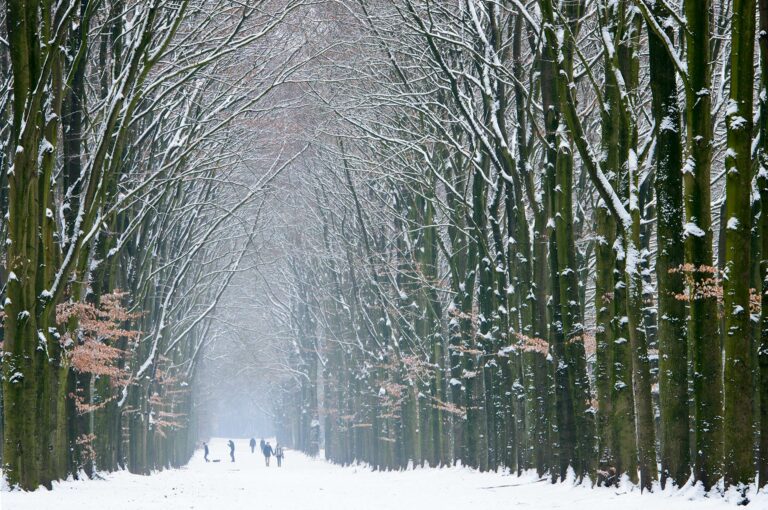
{"points": [[738, 378], [673, 352], [762, 185], [703, 325]]}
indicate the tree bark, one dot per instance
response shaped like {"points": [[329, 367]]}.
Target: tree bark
{"points": [[738, 387]]}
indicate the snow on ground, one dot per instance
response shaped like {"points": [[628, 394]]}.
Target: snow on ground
{"points": [[304, 483]]}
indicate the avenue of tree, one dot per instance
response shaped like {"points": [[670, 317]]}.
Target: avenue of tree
{"points": [[537, 242], [127, 131]]}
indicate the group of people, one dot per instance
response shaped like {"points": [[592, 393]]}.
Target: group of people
{"points": [[266, 449]]}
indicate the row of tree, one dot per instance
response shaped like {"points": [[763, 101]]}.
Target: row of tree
{"points": [[126, 169], [535, 239]]}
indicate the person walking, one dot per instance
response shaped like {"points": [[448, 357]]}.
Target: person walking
{"points": [[268, 452], [279, 454], [205, 449], [261, 444], [253, 444], [231, 450]]}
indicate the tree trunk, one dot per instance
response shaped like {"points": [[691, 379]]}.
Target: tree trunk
{"points": [[673, 355], [738, 387], [703, 330], [762, 185]]}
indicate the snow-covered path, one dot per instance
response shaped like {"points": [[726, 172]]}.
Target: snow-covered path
{"points": [[304, 483]]}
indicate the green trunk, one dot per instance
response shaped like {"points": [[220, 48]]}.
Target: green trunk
{"points": [[673, 355], [572, 327], [604, 261], [628, 159], [738, 387], [703, 330], [762, 185]]}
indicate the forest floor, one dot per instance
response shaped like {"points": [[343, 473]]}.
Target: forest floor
{"points": [[305, 483]]}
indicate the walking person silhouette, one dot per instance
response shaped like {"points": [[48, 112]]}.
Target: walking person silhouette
{"points": [[268, 452], [231, 450]]}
